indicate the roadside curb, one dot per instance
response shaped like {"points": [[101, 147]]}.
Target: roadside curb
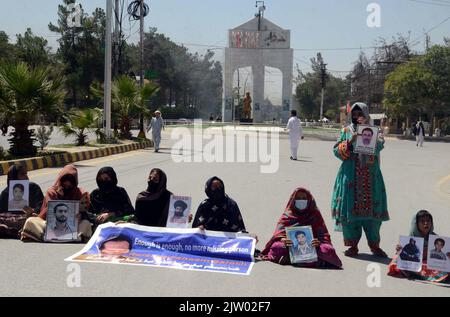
{"points": [[57, 160], [427, 138]]}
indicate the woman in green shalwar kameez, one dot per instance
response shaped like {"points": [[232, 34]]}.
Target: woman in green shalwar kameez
{"points": [[359, 196]]}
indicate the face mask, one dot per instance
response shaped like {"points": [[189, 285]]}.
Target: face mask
{"points": [[218, 194], [106, 185], [301, 204], [67, 191], [152, 187]]}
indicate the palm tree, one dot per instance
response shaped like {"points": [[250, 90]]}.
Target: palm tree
{"points": [[128, 102], [80, 122], [24, 93]]}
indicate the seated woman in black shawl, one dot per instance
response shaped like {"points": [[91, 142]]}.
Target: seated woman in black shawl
{"points": [[109, 202], [152, 205], [218, 212], [11, 223]]}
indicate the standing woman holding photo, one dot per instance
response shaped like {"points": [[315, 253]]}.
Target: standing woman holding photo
{"points": [[359, 196]]}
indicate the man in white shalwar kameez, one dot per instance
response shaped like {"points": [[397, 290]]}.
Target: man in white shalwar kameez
{"points": [[156, 125], [295, 133], [420, 133]]}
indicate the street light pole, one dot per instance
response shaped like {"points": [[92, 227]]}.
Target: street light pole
{"points": [[107, 80], [141, 70], [141, 37], [323, 80], [116, 37]]}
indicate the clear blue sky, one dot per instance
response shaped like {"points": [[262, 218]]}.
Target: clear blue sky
{"points": [[313, 24]]}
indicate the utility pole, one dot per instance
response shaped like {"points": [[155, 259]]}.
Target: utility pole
{"points": [[238, 97], [116, 38], [427, 41], [107, 80], [260, 13], [141, 64], [323, 82], [141, 59]]}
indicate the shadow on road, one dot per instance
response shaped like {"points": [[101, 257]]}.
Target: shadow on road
{"points": [[372, 258]]}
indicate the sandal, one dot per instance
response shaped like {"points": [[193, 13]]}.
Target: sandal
{"points": [[353, 251], [379, 252]]}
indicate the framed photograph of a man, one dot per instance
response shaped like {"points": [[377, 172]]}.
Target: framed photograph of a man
{"points": [[62, 221], [439, 253], [411, 255], [19, 192], [179, 209], [366, 142], [301, 250]]}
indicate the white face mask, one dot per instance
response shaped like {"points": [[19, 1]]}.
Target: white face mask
{"points": [[301, 204]]}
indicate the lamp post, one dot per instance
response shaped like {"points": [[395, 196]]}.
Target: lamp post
{"points": [[107, 80]]}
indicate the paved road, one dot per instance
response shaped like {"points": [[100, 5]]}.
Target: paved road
{"points": [[415, 179]]}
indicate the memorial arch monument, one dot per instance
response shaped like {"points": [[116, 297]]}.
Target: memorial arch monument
{"points": [[257, 44]]}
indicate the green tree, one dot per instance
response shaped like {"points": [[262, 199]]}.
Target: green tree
{"points": [[80, 122], [308, 91], [81, 50], [43, 136], [24, 94], [421, 86], [32, 49], [128, 102], [186, 80], [7, 50]]}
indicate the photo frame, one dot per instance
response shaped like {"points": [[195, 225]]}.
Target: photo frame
{"points": [[179, 209], [366, 142], [19, 195], [62, 221], [301, 251]]}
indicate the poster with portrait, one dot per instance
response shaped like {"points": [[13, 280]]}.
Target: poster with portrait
{"points": [[181, 249], [439, 253], [366, 142], [411, 254], [18, 196], [62, 221], [179, 209], [301, 251]]}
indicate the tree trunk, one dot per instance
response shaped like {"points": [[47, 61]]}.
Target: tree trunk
{"points": [[22, 140]]}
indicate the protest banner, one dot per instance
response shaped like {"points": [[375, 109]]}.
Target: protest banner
{"points": [[187, 249]]}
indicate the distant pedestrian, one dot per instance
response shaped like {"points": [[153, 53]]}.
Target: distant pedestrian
{"points": [[295, 133], [419, 132], [156, 125]]}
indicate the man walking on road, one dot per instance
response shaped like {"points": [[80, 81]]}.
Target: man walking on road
{"points": [[156, 125], [295, 133], [419, 132]]}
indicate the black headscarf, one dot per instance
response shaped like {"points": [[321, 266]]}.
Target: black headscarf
{"points": [[218, 195], [152, 205], [219, 212], [110, 172], [109, 197], [14, 171]]}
